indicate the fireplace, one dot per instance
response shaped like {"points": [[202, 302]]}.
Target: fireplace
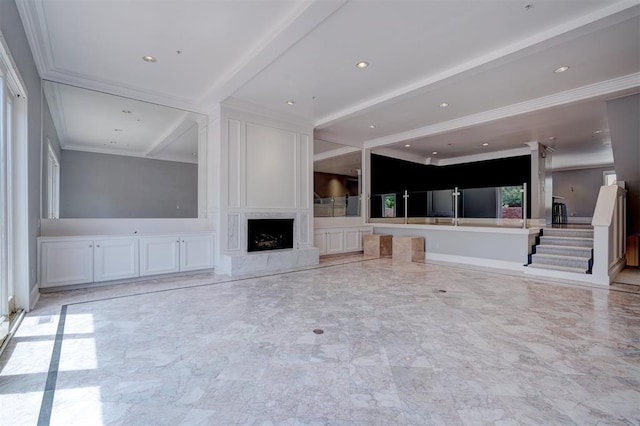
{"points": [[269, 234]]}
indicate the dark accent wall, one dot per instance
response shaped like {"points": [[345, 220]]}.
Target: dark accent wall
{"points": [[579, 189], [16, 39], [390, 175], [115, 186]]}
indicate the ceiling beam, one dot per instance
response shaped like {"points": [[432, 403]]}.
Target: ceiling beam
{"points": [[306, 17], [609, 15]]}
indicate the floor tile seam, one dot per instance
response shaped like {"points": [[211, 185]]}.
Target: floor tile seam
{"points": [[208, 284], [46, 406]]}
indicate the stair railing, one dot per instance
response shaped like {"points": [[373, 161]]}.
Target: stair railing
{"points": [[609, 233]]}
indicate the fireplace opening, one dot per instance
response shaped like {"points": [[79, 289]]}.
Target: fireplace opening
{"points": [[269, 234]]}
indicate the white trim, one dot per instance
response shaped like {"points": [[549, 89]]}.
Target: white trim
{"points": [[335, 153], [128, 154], [34, 296], [507, 153], [462, 228], [562, 29], [17, 220], [401, 155], [476, 261], [564, 275], [304, 19], [561, 98]]}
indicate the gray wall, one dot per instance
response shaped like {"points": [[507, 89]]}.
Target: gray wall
{"points": [[14, 35], [624, 129], [114, 186], [580, 189], [48, 133]]}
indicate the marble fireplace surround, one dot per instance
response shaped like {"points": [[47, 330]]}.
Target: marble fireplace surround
{"points": [[239, 261]]}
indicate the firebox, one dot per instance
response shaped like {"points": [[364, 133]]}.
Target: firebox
{"points": [[269, 234]]}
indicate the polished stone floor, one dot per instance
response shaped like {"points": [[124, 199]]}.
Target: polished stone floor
{"points": [[401, 344]]}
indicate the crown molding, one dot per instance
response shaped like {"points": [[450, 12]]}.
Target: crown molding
{"points": [[175, 159], [615, 85], [507, 153], [400, 155], [335, 153], [35, 27], [608, 15], [56, 109]]}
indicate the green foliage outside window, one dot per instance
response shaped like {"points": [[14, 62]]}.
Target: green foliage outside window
{"points": [[511, 196], [389, 202]]}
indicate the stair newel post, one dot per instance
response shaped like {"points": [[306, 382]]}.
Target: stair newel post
{"points": [[524, 205], [455, 194], [406, 204]]}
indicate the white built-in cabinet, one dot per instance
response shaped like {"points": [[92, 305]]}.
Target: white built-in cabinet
{"points": [[175, 253], [340, 240], [81, 260]]}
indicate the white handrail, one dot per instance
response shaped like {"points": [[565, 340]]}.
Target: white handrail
{"points": [[609, 233]]}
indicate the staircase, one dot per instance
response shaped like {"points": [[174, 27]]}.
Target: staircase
{"points": [[564, 249]]}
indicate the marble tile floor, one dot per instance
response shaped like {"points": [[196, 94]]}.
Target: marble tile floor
{"points": [[402, 343]]}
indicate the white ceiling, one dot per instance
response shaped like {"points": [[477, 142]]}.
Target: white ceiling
{"points": [[87, 120], [491, 61]]}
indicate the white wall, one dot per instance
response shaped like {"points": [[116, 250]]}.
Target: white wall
{"points": [[265, 170]]}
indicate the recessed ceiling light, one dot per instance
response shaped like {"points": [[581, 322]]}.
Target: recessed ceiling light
{"points": [[407, 145], [150, 59], [126, 111], [561, 69], [372, 126], [485, 144], [444, 105], [362, 65], [290, 102], [434, 153], [553, 138], [597, 132]]}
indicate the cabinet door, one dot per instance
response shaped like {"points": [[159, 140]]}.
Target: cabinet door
{"points": [[320, 241], [196, 252], [352, 240], [66, 263], [159, 255], [115, 259], [335, 242]]}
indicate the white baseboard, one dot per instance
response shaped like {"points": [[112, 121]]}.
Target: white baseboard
{"points": [[475, 261], [34, 296]]}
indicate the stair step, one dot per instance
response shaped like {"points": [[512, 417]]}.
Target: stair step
{"points": [[558, 260], [558, 268], [564, 250], [561, 232], [566, 241]]}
